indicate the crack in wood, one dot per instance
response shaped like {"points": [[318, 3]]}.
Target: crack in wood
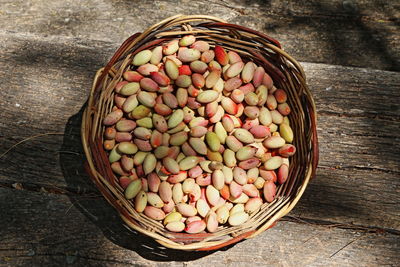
{"points": [[363, 115], [345, 246], [240, 10], [244, 10], [329, 224], [27, 139], [72, 257], [32, 187], [366, 168]]}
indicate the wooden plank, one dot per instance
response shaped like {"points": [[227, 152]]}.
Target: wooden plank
{"points": [[49, 229], [352, 196], [49, 55], [338, 90], [351, 33], [351, 173], [351, 146], [346, 91], [355, 33], [40, 99], [359, 142]]}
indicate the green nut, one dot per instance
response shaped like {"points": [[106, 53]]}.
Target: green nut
{"points": [[145, 122], [213, 141], [178, 139], [176, 118], [149, 163], [130, 89], [127, 148], [244, 136], [245, 153], [114, 155], [133, 189], [229, 158], [146, 99], [139, 157], [142, 58], [140, 111], [161, 152], [188, 163], [286, 132]]}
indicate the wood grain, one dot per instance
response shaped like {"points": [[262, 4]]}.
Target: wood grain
{"points": [[355, 33], [354, 92], [356, 143], [43, 229], [348, 216]]}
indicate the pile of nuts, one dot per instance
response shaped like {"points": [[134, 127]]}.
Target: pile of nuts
{"points": [[198, 137]]}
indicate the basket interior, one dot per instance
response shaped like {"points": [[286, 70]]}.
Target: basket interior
{"points": [[264, 51]]}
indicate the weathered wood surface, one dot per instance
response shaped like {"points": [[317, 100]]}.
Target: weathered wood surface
{"points": [[87, 232], [357, 33], [48, 57], [348, 118]]}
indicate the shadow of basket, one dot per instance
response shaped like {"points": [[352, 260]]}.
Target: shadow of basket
{"points": [[100, 212]]}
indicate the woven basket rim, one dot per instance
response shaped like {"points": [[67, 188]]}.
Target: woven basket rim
{"points": [[91, 116]]}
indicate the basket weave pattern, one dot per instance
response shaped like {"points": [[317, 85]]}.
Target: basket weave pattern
{"points": [[264, 51]]}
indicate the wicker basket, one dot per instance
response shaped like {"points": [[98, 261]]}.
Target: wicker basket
{"points": [[265, 51]]}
